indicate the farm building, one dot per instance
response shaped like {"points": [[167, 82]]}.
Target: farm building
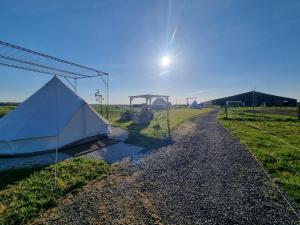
{"points": [[257, 99], [159, 103]]}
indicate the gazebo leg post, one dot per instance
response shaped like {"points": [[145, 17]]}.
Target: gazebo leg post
{"points": [[168, 119], [130, 108]]}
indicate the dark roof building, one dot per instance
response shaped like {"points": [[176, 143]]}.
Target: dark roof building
{"points": [[258, 98]]}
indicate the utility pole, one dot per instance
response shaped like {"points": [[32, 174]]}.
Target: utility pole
{"points": [[187, 101], [253, 100], [299, 111]]}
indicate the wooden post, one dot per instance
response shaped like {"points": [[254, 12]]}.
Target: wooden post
{"points": [[101, 108], [253, 102], [168, 120], [147, 104], [130, 107], [226, 111]]}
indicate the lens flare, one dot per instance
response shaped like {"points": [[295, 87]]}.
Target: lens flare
{"points": [[165, 61]]}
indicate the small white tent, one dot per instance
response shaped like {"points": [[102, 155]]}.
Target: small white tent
{"points": [[51, 118], [160, 103], [195, 105]]}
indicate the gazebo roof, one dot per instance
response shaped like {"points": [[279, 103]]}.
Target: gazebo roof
{"points": [[149, 96]]}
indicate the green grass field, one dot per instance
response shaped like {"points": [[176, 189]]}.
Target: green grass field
{"points": [[280, 160], [114, 111], [26, 192], [143, 135], [287, 111], [5, 109], [157, 130]]}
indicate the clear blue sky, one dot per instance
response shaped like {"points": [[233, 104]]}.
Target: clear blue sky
{"points": [[219, 48]]}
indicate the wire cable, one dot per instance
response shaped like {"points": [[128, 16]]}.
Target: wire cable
{"points": [[265, 171], [265, 131]]}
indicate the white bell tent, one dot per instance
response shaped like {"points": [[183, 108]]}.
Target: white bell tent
{"points": [[51, 118], [195, 105]]}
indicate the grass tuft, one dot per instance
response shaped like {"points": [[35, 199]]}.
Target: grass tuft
{"points": [[21, 199], [5, 109]]}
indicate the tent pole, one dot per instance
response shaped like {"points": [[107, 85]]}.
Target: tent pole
{"points": [[75, 85], [57, 138], [107, 95]]}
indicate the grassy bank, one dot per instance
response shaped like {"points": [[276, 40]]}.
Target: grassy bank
{"points": [[147, 135], [287, 111], [5, 109], [280, 160], [26, 192], [114, 111]]}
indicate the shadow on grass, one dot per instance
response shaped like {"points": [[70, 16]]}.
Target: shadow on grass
{"points": [[136, 136], [122, 121], [12, 176]]}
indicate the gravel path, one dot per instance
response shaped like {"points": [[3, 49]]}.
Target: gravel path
{"points": [[204, 177], [117, 152]]}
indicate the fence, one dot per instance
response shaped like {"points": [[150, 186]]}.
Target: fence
{"points": [[292, 112]]}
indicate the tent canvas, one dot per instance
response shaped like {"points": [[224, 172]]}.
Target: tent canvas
{"points": [[51, 118], [160, 103], [195, 105]]}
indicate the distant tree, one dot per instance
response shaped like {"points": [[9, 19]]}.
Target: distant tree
{"points": [[99, 99]]}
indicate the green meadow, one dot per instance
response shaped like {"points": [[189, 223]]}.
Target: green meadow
{"points": [[5, 109], [157, 130], [278, 158], [24, 193]]}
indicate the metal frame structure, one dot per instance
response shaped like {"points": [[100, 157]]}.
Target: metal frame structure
{"points": [[17, 57], [14, 56], [187, 100]]}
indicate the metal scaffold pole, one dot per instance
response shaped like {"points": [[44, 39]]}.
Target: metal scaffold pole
{"points": [[107, 95]]}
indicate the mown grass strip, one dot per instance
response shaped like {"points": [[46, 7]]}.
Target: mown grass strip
{"points": [[149, 134], [278, 158], [5, 109], [22, 199]]}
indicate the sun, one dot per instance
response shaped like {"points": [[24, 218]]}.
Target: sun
{"points": [[165, 61]]}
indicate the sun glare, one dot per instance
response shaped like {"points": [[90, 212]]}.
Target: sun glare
{"points": [[165, 61]]}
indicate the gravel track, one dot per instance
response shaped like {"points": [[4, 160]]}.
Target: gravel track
{"points": [[204, 177]]}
